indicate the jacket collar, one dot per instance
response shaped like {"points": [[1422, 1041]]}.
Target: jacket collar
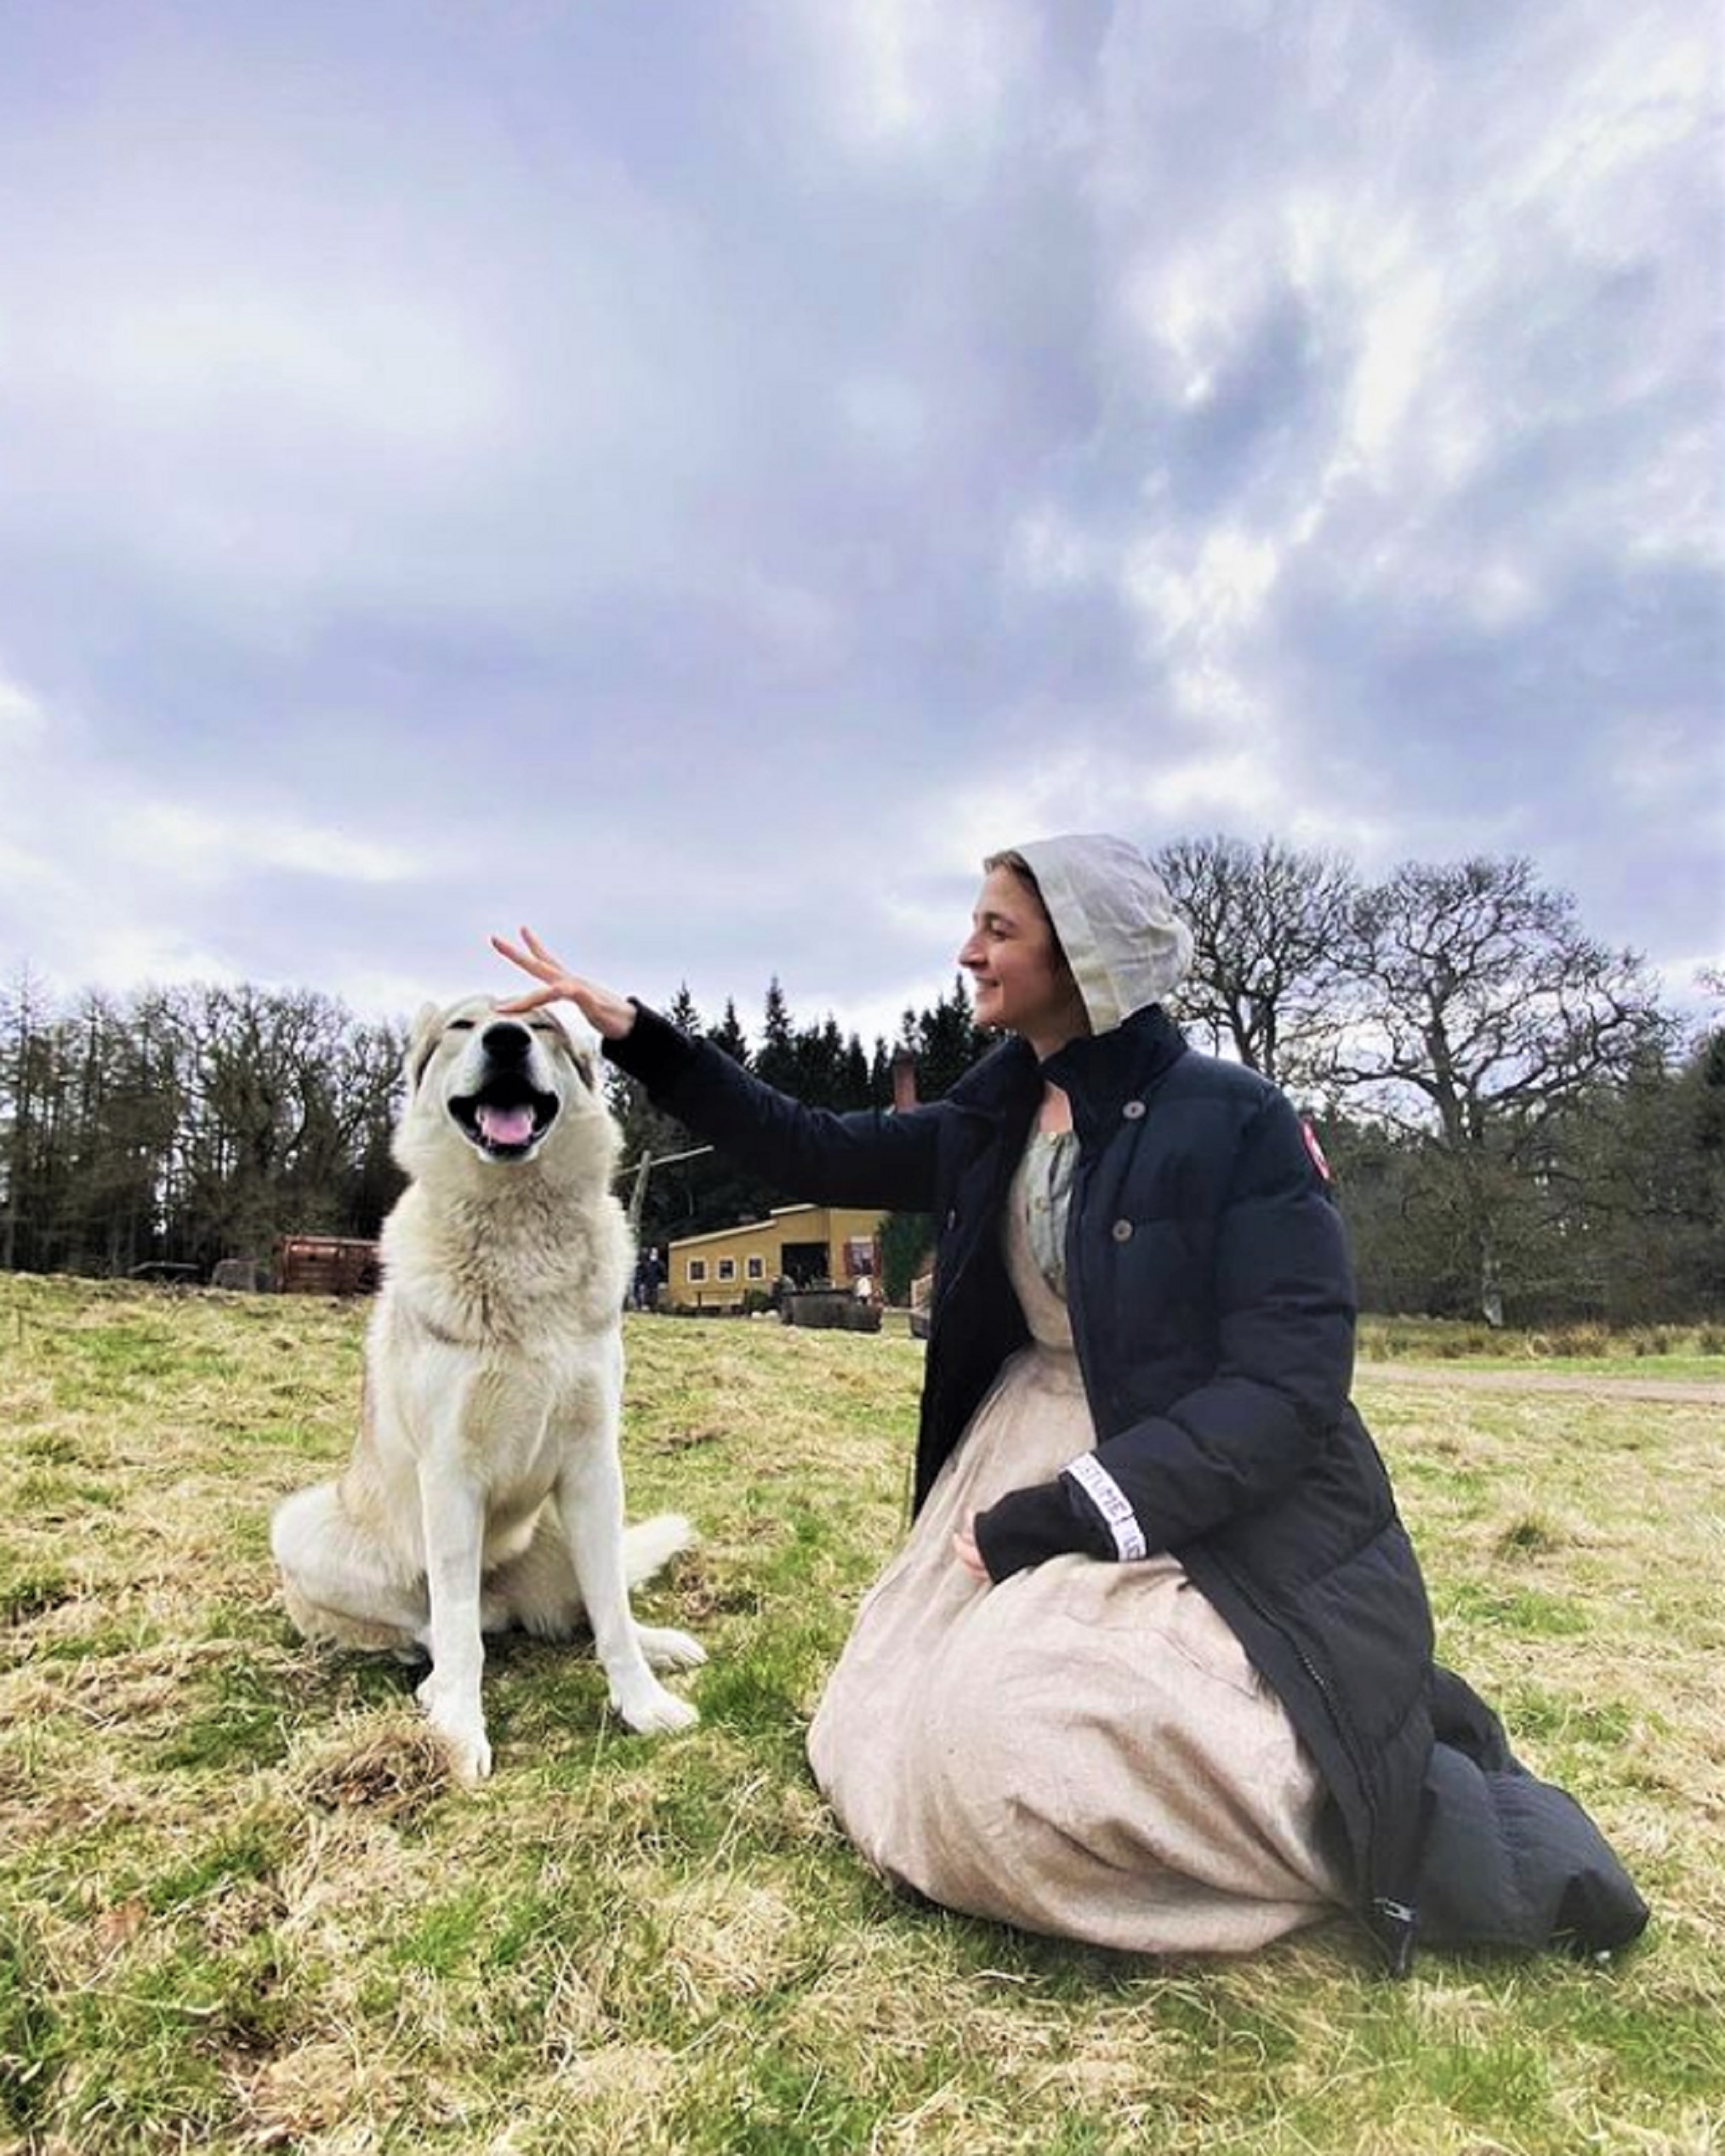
{"points": [[1004, 1081], [1099, 1073]]}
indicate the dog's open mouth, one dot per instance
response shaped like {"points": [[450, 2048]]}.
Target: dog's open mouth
{"points": [[506, 1117]]}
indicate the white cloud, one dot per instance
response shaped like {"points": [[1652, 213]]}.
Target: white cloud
{"points": [[396, 367], [1032, 790], [28, 874], [1048, 550], [1214, 597], [921, 74], [1187, 301], [211, 847], [1240, 787], [1398, 349], [23, 721], [1651, 768], [1597, 156], [114, 952]]}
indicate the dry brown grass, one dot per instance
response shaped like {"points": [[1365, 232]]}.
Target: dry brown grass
{"points": [[243, 1906]]}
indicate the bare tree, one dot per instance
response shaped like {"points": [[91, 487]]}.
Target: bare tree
{"points": [[1268, 924], [1481, 1013], [285, 1117]]}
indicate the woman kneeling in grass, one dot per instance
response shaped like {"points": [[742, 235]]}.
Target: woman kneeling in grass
{"points": [[1153, 1668]]}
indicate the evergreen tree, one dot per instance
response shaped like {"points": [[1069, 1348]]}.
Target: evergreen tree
{"points": [[880, 1076], [857, 1089], [906, 1241], [776, 1059], [24, 1082], [947, 1041], [728, 1035], [820, 1065]]}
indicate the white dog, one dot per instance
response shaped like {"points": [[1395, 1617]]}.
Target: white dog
{"points": [[485, 1489]]}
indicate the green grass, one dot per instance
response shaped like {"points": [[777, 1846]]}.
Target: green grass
{"points": [[1683, 1354], [243, 1908]]}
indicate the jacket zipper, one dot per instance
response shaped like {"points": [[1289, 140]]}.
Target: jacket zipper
{"points": [[1397, 1919]]}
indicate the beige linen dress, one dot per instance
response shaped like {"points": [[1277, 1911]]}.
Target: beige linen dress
{"points": [[1083, 1749]]}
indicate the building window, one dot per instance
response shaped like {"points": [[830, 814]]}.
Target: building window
{"points": [[757, 1268], [727, 1268], [698, 1271]]}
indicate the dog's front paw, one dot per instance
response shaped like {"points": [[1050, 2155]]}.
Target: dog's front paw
{"points": [[461, 1726], [652, 1711], [469, 1755], [668, 1650]]}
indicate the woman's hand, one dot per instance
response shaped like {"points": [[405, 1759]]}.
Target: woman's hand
{"points": [[966, 1550], [610, 1016]]}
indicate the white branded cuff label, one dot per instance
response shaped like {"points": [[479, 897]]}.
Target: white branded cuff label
{"points": [[1110, 1500]]}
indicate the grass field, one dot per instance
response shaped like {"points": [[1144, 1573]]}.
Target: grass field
{"points": [[1684, 1354], [240, 1907]]}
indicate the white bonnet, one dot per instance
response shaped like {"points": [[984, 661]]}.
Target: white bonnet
{"points": [[1126, 945]]}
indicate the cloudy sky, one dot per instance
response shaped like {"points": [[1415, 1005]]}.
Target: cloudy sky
{"points": [[695, 476]]}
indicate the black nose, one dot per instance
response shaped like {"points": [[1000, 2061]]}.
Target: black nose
{"points": [[506, 1043]]}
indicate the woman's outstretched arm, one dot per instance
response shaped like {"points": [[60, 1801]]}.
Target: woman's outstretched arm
{"points": [[865, 1158]]}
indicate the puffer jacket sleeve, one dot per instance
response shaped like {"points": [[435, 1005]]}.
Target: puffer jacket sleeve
{"points": [[1282, 1294], [865, 1159]]}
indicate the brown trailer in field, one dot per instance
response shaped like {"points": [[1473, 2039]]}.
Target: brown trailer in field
{"points": [[327, 1264]]}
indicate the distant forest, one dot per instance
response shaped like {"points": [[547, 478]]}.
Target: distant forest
{"points": [[1517, 1127]]}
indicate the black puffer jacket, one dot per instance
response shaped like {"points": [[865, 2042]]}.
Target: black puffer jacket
{"points": [[1212, 1312]]}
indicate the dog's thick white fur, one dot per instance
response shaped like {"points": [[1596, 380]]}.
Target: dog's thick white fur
{"points": [[485, 1489]]}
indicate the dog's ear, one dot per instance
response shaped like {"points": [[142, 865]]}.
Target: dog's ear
{"points": [[421, 1042]]}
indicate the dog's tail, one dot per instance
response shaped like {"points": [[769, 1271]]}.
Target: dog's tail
{"points": [[651, 1544]]}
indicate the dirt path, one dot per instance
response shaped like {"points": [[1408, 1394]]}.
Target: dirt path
{"points": [[1478, 1381]]}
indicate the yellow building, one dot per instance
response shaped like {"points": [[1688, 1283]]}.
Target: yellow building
{"points": [[805, 1242]]}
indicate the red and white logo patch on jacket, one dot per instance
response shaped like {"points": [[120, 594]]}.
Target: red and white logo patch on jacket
{"points": [[1312, 1146]]}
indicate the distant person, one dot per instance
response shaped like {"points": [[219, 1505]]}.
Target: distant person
{"points": [[649, 1278], [1153, 1668]]}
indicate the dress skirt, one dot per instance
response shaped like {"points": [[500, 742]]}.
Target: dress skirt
{"points": [[1083, 1750]]}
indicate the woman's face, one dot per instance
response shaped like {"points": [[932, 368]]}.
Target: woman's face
{"points": [[1019, 981]]}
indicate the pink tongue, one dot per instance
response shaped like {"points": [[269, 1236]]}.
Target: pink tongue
{"points": [[506, 1126]]}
